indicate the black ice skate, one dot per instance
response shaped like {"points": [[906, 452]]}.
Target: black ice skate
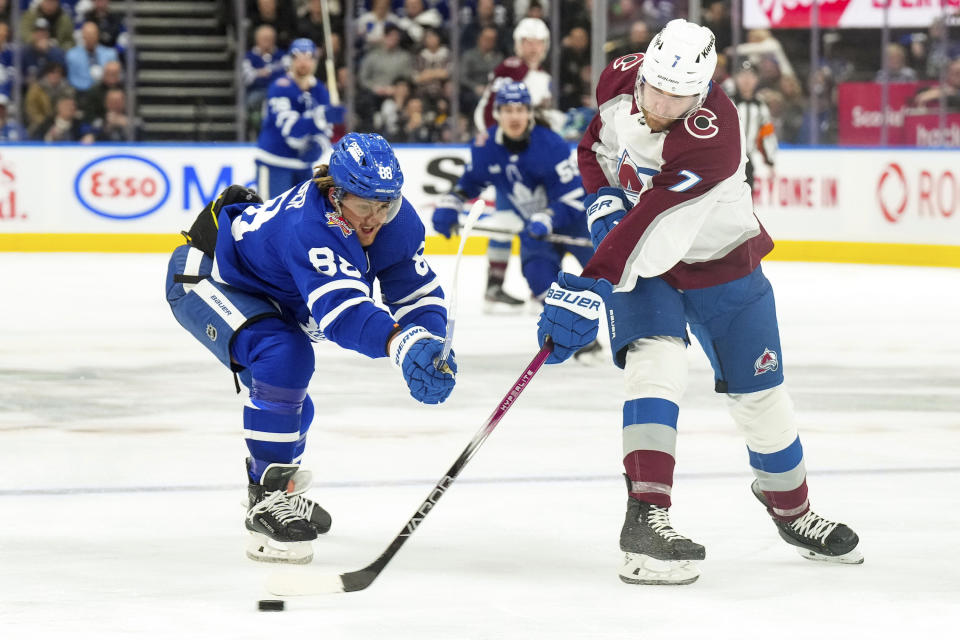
{"points": [[279, 533], [304, 506], [655, 552], [816, 538], [496, 300], [590, 355]]}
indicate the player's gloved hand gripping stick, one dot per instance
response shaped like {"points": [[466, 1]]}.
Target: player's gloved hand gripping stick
{"points": [[300, 583]]}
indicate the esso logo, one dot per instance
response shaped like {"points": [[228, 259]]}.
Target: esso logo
{"points": [[122, 186]]}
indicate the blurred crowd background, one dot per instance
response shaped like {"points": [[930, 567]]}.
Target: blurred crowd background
{"points": [[414, 70]]}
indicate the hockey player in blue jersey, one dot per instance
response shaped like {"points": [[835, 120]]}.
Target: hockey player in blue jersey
{"points": [[297, 124], [531, 166], [258, 281]]}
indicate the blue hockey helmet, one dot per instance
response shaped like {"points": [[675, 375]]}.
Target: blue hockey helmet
{"points": [[512, 93], [303, 46], [364, 164]]}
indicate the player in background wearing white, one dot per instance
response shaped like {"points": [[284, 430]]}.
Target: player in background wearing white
{"points": [[531, 40], [677, 242], [257, 282], [760, 138], [297, 124]]}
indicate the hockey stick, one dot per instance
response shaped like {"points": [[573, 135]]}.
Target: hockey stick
{"points": [[550, 237], [303, 584], [328, 54], [472, 217]]}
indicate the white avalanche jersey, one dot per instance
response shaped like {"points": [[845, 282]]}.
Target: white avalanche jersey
{"points": [[692, 222]]}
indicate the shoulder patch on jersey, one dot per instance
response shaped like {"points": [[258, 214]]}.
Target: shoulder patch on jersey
{"points": [[702, 124], [619, 77], [283, 82], [333, 220], [512, 61]]}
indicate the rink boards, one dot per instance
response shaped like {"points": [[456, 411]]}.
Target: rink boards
{"points": [[889, 206]]}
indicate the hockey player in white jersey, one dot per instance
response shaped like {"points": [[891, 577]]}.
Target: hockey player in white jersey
{"points": [[678, 244], [257, 282]]}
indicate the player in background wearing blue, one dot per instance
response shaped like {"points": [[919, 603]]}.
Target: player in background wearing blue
{"points": [[257, 282], [297, 124], [530, 165]]}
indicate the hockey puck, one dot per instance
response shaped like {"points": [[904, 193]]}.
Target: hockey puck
{"points": [[270, 605]]}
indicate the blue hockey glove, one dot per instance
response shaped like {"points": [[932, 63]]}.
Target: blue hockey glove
{"points": [[571, 313], [415, 351], [446, 216], [335, 114], [540, 225], [605, 209]]}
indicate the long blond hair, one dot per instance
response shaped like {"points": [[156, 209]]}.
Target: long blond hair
{"points": [[321, 179]]}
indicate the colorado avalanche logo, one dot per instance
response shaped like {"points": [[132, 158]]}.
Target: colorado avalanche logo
{"points": [[629, 174], [334, 220], [702, 124], [766, 362]]}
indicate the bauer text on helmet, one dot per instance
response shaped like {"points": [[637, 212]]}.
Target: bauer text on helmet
{"points": [[674, 79]]}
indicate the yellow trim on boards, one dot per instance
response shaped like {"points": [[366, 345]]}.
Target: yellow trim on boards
{"points": [[787, 250]]}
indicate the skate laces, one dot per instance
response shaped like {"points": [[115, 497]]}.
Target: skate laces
{"points": [[659, 520], [277, 504], [302, 507], [813, 526]]}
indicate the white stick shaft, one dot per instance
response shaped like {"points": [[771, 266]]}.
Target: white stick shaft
{"points": [[328, 54], [472, 217]]}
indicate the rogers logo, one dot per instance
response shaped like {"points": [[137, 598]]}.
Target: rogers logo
{"points": [[893, 192], [796, 13], [122, 186], [928, 194]]}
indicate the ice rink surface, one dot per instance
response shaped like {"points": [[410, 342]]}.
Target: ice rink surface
{"points": [[122, 475]]}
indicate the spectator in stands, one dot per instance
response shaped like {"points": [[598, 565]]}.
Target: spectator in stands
{"points": [[637, 40], [896, 66], [574, 56], [41, 51], [5, 12], [58, 22], [10, 130], [65, 125], [716, 16], [380, 69], [372, 25], [415, 18], [85, 61], [764, 49], [389, 119], [432, 66], [43, 94], [279, 14], [941, 49], [416, 128], [91, 103], [310, 21], [6, 60], [263, 64], [115, 126], [476, 65], [488, 14], [793, 110], [110, 23], [950, 90]]}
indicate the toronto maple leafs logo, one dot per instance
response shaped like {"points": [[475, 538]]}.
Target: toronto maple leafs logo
{"points": [[766, 362], [334, 220], [528, 201]]}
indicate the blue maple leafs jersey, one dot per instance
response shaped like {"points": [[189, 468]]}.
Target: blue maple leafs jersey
{"points": [[542, 177], [295, 132], [297, 251]]}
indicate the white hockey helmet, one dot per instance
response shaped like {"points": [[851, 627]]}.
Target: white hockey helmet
{"points": [[532, 29], [678, 65]]}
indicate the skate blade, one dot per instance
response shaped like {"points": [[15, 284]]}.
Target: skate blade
{"points": [[262, 549], [851, 557], [642, 569]]}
